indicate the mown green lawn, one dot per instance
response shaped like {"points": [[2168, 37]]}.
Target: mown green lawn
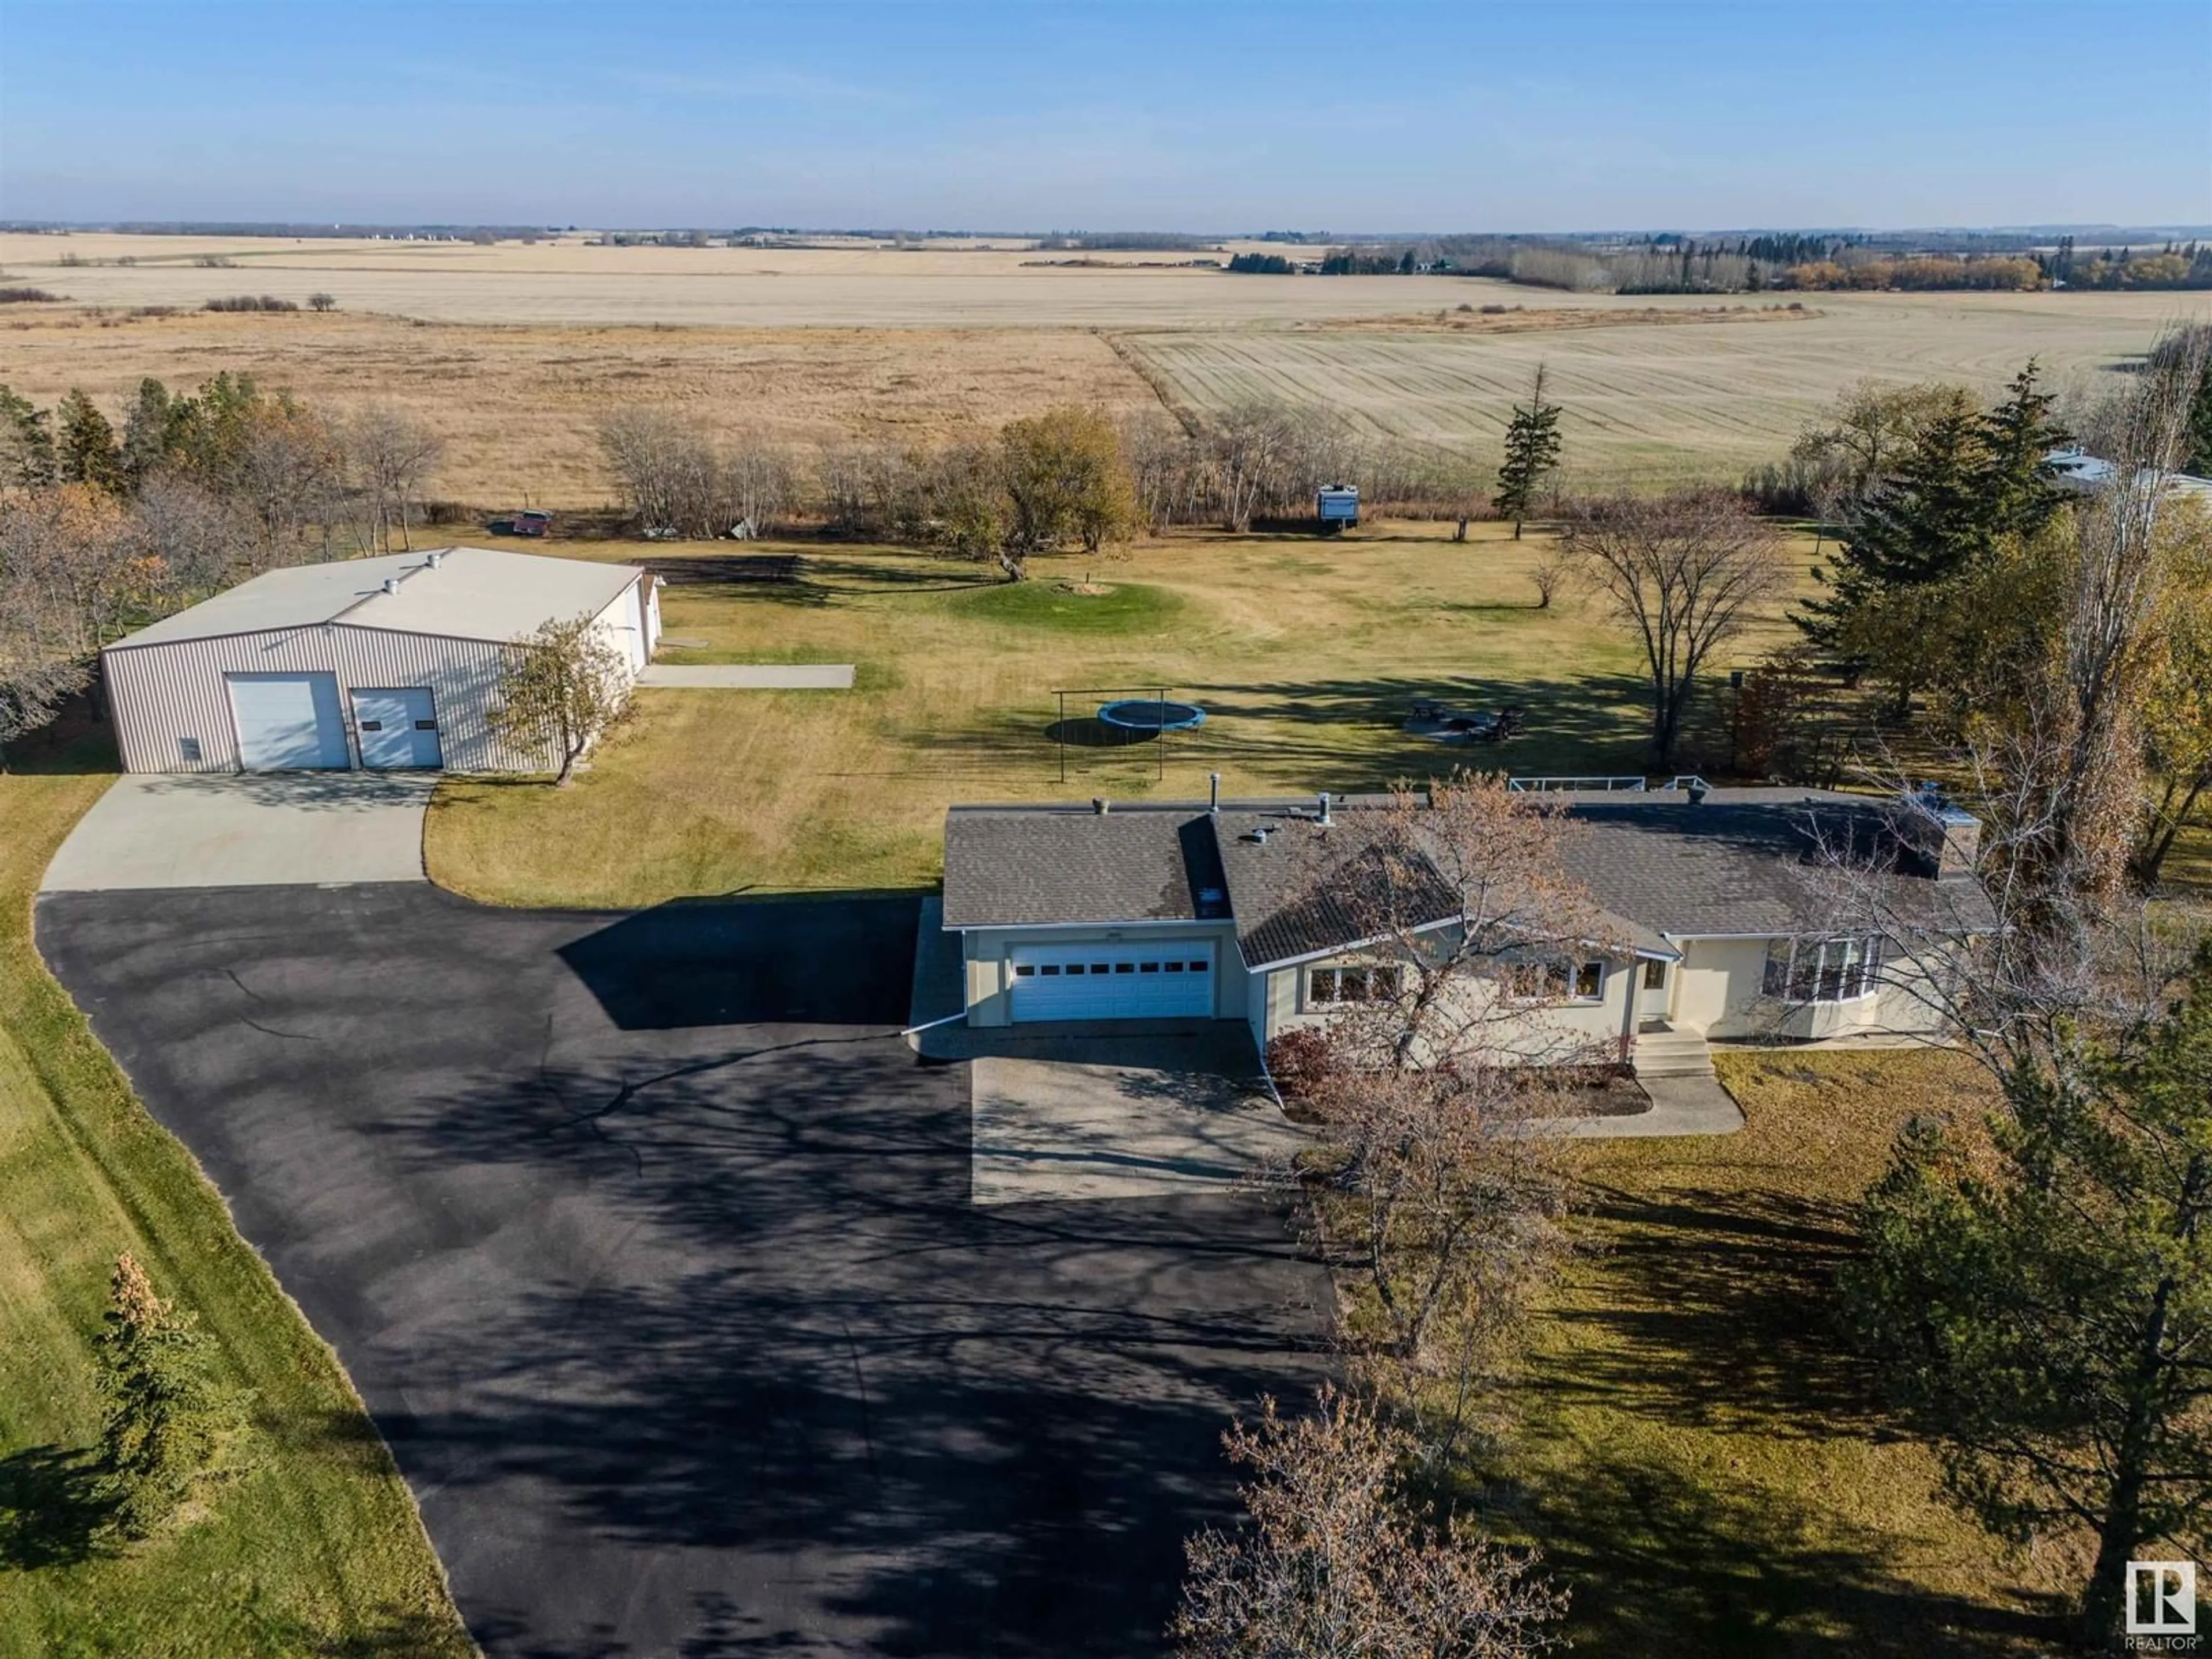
{"points": [[312, 1545], [1305, 655], [1702, 1457]]}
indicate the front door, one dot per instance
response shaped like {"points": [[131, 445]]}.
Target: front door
{"points": [[398, 729], [1655, 990]]}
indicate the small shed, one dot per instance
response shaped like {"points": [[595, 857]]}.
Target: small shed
{"points": [[1337, 505], [381, 664]]}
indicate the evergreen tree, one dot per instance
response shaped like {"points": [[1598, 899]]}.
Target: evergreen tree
{"points": [[1919, 525], [154, 430], [85, 451], [27, 443], [165, 1417], [2016, 435], [2043, 1305], [1532, 450]]}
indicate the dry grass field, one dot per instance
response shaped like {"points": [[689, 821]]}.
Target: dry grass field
{"points": [[508, 351], [516, 405]]}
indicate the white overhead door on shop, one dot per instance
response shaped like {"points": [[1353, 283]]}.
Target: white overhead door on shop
{"points": [[1164, 979], [399, 728], [289, 722]]}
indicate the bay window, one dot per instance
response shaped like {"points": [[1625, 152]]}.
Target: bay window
{"points": [[1823, 969]]}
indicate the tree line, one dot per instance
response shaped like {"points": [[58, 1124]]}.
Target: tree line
{"points": [[106, 527], [1072, 478]]}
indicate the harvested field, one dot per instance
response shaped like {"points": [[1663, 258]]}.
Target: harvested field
{"points": [[1647, 404], [568, 282]]}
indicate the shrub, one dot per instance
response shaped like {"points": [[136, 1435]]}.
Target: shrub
{"points": [[252, 303], [1300, 1060], [165, 1416], [15, 296], [321, 302]]}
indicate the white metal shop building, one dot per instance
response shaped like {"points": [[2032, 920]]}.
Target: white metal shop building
{"points": [[389, 663]]}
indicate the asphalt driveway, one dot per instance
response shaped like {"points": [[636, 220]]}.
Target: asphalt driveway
{"points": [[649, 1244]]}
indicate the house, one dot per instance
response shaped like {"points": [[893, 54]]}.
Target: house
{"points": [[1717, 909], [384, 663], [2085, 474]]}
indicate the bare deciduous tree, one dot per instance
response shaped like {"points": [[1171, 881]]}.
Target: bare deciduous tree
{"points": [[1337, 1561], [392, 456], [1250, 446], [1687, 573], [1442, 1052]]}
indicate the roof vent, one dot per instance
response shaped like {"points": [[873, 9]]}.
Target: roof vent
{"points": [[1213, 799], [1260, 832], [392, 584], [435, 557], [1324, 820], [1101, 806], [1696, 791]]}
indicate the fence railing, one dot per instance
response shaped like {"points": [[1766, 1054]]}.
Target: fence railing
{"points": [[1538, 785]]}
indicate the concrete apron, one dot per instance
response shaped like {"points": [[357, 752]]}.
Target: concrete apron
{"points": [[154, 830]]}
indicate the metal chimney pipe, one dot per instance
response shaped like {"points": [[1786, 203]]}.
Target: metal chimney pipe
{"points": [[1213, 798], [1325, 818]]}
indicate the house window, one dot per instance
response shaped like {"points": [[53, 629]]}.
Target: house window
{"points": [[1655, 974], [1373, 983], [1555, 981], [1823, 969], [188, 749]]}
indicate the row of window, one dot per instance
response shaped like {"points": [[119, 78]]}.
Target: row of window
{"points": [[1054, 970], [1531, 981], [1798, 971], [1556, 982], [1823, 969], [1331, 987]]}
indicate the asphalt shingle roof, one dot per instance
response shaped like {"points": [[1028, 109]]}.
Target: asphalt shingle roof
{"points": [[1005, 866], [1743, 861]]}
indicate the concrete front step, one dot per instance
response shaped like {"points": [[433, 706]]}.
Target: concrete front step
{"points": [[1672, 1054]]}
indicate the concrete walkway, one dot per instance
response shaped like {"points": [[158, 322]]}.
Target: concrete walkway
{"points": [[749, 676], [1680, 1106], [253, 829]]}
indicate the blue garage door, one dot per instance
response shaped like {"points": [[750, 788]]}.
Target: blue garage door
{"points": [[399, 728], [289, 722]]}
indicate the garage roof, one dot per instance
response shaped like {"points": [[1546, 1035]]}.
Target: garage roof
{"points": [[459, 592]]}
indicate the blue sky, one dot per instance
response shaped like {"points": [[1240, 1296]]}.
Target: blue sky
{"points": [[1537, 115]]}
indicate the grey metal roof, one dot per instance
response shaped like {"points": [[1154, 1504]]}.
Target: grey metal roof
{"points": [[469, 594], [1743, 861]]}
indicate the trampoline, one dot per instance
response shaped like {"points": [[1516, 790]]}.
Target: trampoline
{"points": [[1152, 715]]}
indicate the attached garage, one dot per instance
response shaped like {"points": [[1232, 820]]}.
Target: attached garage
{"points": [[387, 664], [1161, 979]]}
